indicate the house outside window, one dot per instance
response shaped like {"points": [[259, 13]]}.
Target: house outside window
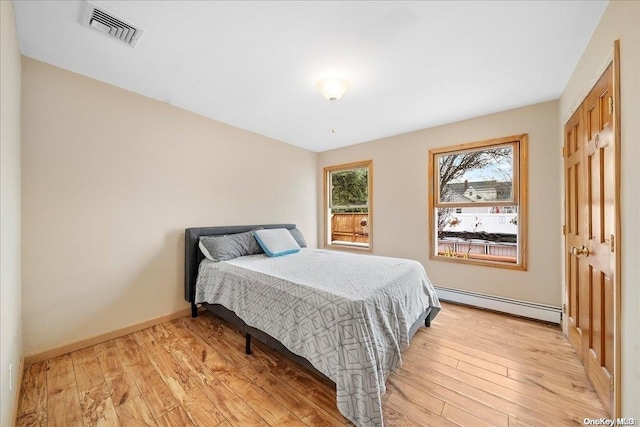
{"points": [[347, 206], [477, 202]]}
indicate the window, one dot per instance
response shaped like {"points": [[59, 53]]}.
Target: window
{"points": [[347, 204], [478, 202]]}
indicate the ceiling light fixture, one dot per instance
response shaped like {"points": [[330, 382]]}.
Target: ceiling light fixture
{"points": [[333, 88]]}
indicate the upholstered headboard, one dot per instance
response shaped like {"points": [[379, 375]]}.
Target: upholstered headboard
{"points": [[193, 255]]}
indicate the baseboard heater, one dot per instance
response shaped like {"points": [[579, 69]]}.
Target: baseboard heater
{"points": [[531, 310]]}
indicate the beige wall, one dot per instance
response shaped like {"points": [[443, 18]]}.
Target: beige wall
{"points": [[400, 200], [10, 306], [110, 181], [621, 20]]}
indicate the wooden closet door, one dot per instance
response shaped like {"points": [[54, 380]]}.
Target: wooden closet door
{"points": [[590, 215], [576, 296], [599, 262]]}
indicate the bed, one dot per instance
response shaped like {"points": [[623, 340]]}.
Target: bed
{"points": [[347, 316]]}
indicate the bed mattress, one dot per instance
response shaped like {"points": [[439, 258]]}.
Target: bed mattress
{"points": [[348, 314]]}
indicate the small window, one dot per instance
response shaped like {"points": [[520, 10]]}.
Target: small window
{"points": [[347, 190], [477, 201]]}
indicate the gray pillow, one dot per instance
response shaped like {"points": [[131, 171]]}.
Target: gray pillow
{"points": [[230, 246], [297, 235]]}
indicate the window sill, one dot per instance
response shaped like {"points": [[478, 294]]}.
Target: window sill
{"points": [[348, 246], [483, 260]]}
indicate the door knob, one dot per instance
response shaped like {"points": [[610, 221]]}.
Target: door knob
{"points": [[582, 250]]}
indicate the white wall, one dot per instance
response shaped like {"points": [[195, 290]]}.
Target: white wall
{"points": [[110, 181], [10, 304], [400, 223], [621, 20]]}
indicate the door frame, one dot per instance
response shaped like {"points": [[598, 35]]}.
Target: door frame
{"points": [[615, 62], [617, 318]]}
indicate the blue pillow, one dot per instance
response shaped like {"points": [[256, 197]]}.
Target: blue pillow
{"points": [[277, 242]]}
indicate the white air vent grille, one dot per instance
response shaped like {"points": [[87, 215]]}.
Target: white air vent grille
{"points": [[109, 25]]}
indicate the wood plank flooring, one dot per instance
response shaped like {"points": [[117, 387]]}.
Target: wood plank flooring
{"points": [[471, 368]]}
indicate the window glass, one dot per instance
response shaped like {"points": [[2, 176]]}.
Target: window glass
{"points": [[477, 202], [348, 206]]}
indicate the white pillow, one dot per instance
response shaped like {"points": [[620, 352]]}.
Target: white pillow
{"points": [[277, 242]]}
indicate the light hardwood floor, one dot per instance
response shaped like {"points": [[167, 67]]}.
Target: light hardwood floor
{"points": [[471, 368]]}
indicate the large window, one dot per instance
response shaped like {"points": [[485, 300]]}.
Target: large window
{"points": [[478, 202], [347, 204]]}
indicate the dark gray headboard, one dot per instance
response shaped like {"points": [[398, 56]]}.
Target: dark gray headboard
{"points": [[193, 255]]}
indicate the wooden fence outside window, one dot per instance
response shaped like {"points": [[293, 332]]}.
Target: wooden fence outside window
{"points": [[348, 227]]}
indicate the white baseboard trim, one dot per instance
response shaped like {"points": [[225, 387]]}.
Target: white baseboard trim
{"points": [[532, 310]]}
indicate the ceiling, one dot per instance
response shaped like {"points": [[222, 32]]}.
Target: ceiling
{"points": [[254, 65]]}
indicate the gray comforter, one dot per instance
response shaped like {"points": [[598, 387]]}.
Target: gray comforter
{"points": [[347, 314]]}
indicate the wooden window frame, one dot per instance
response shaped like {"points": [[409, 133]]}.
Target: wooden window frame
{"points": [[520, 186], [327, 171]]}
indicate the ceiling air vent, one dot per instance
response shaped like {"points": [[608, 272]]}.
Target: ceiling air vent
{"points": [[109, 25]]}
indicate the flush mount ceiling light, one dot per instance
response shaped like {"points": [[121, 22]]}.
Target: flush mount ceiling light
{"points": [[333, 88]]}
